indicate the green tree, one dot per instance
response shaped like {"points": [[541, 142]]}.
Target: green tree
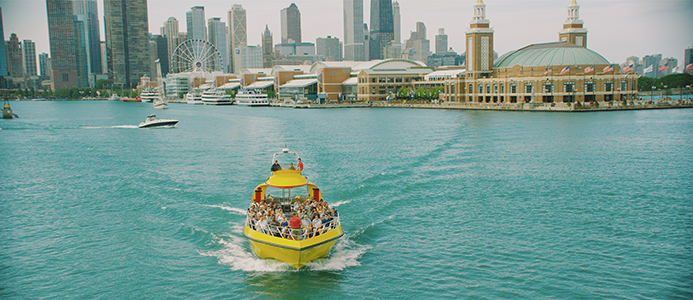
{"points": [[101, 84]]}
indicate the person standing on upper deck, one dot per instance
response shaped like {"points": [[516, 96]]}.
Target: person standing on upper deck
{"points": [[299, 167]]}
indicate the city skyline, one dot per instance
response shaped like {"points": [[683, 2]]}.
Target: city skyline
{"points": [[618, 29]]}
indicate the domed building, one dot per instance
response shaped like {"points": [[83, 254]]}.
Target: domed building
{"points": [[557, 72]]}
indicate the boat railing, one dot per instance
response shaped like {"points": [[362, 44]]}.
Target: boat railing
{"points": [[286, 232]]}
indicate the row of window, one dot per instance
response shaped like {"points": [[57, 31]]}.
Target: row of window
{"points": [[388, 79], [568, 87]]}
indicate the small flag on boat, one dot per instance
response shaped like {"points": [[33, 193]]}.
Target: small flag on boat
{"points": [[589, 69], [565, 70], [609, 68]]}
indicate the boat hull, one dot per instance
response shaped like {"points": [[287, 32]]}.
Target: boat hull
{"points": [[296, 253], [170, 123]]}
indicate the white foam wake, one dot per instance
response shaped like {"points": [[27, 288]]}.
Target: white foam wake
{"points": [[338, 203], [236, 254], [231, 209]]}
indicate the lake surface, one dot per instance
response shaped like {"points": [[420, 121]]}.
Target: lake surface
{"points": [[434, 203]]}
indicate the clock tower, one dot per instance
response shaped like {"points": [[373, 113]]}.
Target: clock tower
{"points": [[572, 28], [479, 43]]}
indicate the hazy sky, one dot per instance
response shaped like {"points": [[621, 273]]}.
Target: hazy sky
{"points": [[616, 28]]}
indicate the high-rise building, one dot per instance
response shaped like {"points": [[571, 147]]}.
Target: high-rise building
{"points": [[366, 42], [418, 48], [291, 24], [171, 33], [354, 46], [247, 57], [382, 28], [29, 53], [238, 33], [3, 54], [479, 43], [195, 21], [44, 71], [267, 48], [86, 11], [216, 33], [687, 60], [651, 65], [104, 57], [127, 41], [330, 48], [63, 38], [397, 22], [14, 58], [572, 27], [161, 54], [441, 41]]}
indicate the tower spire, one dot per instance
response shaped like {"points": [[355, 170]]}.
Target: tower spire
{"points": [[573, 31], [479, 42]]}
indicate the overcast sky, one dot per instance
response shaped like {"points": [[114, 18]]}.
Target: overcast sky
{"points": [[616, 28]]}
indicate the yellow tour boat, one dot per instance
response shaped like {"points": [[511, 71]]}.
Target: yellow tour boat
{"points": [[287, 193]]}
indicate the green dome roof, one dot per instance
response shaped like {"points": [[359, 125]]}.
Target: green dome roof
{"points": [[550, 54]]}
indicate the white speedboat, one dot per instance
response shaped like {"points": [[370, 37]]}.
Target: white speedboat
{"points": [[153, 122], [149, 95], [160, 103], [114, 97], [216, 97], [193, 98], [251, 98]]}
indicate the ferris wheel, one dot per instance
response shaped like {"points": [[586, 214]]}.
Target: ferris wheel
{"points": [[196, 55]]}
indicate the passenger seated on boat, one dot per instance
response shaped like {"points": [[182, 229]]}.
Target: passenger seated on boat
{"points": [[291, 166], [276, 166]]}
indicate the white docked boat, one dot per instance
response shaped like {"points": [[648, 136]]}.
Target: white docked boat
{"points": [[153, 122], [160, 103], [251, 98], [193, 98], [216, 97], [149, 95], [114, 97]]}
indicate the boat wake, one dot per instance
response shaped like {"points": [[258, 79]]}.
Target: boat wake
{"points": [[338, 203], [235, 253], [231, 209], [107, 127]]}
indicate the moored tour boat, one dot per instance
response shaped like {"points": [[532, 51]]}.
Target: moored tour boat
{"points": [[216, 97], [153, 122], [251, 98], [136, 99], [193, 98], [149, 95], [293, 194]]}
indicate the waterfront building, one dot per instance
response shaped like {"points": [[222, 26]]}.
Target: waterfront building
{"points": [[573, 32], [441, 42], [354, 46], [687, 60], [382, 28], [62, 36], [3, 55], [539, 74], [397, 23], [86, 12], [127, 41], [238, 34], [195, 23], [216, 32], [267, 48], [172, 34], [330, 48], [291, 24], [29, 53], [44, 70]]}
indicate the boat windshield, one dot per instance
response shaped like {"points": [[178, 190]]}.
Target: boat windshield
{"points": [[286, 195]]}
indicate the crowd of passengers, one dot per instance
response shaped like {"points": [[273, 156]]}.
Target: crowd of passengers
{"points": [[316, 217]]}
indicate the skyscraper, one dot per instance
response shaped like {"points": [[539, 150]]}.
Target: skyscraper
{"points": [[397, 23], [267, 44], [61, 31], [127, 41], [216, 33], [195, 21], [87, 12], [354, 46], [171, 33], [687, 60], [330, 48], [14, 57], [43, 65], [238, 34], [418, 48], [382, 28], [3, 54], [162, 54], [29, 53], [651, 64], [291, 24], [441, 41]]}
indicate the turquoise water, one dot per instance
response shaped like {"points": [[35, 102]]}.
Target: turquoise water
{"points": [[434, 203]]}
